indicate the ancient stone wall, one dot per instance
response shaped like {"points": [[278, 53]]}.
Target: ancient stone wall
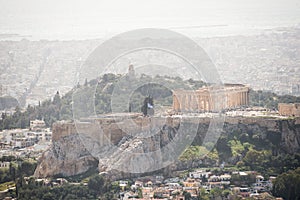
{"points": [[62, 129], [110, 129], [289, 109]]}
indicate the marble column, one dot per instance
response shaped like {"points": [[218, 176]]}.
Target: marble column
{"points": [[242, 98], [232, 100], [177, 102], [187, 102], [203, 103], [182, 102], [206, 103], [198, 102], [194, 102], [209, 100], [213, 102], [236, 99], [227, 101]]}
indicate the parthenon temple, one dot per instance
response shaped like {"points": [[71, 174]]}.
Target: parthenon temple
{"points": [[211, 98]]}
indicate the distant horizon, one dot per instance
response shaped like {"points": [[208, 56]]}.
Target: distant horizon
{"points": [[81, 20], [183, 30]]}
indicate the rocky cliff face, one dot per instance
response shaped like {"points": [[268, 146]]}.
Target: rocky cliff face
{"points": [[67, 156], [70, 154], [290, 135]]}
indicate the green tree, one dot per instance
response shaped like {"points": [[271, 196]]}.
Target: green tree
{"points": [[256, 160], [27, 168], [187, 195], [287, 185], [57, 100], [203, 195], [97, 184], [140, 193], [216, 193], [223, 148], [226, 193], [85, 82]]}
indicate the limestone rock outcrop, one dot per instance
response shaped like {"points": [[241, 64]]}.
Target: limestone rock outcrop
{"points": [[66, 156], [70, 154], [290, 135]]}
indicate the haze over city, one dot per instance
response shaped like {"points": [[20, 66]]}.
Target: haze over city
{"points": [[92, 19], [135, 99]]}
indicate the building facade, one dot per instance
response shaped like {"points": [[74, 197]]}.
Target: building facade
{"points": [[212, 98]]}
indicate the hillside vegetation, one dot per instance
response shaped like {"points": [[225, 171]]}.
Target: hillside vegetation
{"points": [[159, 87]]}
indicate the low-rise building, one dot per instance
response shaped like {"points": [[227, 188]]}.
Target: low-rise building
{"points": [[4, 165], [37, 125]]}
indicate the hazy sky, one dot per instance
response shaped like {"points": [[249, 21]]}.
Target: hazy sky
{"points": [[91, 16]]}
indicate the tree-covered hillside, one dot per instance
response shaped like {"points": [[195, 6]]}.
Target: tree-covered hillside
{"points": [[270, 100], [7, 102], [102, 89]]}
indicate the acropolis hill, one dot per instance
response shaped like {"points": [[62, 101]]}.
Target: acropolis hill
{"points": [[185, 112], [108, 141], [89, 142], [68, 154]]}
